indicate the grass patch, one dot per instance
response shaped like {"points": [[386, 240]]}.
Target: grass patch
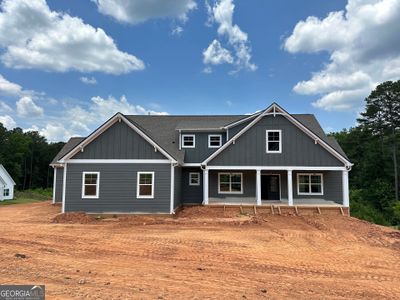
{"points": [[29, 196]]}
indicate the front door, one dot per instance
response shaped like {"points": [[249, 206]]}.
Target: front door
{"points": [[270, 187]]}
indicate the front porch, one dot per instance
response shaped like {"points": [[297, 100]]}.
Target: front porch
{"points": [[265, 186]]}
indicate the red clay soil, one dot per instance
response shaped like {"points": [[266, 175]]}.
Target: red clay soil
{"points": [[201, 254]]}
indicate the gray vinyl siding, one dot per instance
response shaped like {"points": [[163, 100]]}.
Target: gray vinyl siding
{"points": [[119, 142], [298, 149], [201, 151], [178, 187], [249, 185], [235, 130], [118, 189], [191, 194], [59, 184]]}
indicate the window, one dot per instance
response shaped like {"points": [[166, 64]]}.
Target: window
{"points": [[188, 141], [194, 178], [145, 185], [6, 192], [90, 184], [309, 184], [214, 140], [230, 183], [274, 141]]}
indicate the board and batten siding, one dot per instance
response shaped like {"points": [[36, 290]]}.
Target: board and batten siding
{"points": [[201, 151], [298, 149], [119, 142], [117, 192], [59, 184], [177, 187], [191, 194]]}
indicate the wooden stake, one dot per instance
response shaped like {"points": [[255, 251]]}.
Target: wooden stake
{"points": [[241, 209], [272, 210], [279, 209], [319, 211], [297, 211], [341, 210], [255, 210]]}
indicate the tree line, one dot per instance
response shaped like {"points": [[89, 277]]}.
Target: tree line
{"points": [[26, 156]]}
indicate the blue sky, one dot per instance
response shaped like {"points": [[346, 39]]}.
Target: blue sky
{"points": [[302, 54]]}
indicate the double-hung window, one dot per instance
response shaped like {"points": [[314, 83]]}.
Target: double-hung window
{"points": [[188, 141], [310, 184], [274, 141], [214, 140], [145, 185], [230, 183], [90, 184], [194, 178], [6, 192]]}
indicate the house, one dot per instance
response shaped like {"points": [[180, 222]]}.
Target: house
{"points": [[155, 164], [6, 185]]}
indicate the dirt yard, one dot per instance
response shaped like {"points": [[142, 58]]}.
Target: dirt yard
{"points": [[237, 257]]}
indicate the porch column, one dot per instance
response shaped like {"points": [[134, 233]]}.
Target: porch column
{"points": [[54, 184], [258, 186], [345, 187], [205, 186], [290, 187]]}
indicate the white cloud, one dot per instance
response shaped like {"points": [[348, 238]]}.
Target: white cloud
{"points": [[137, 11], [88, 80], [34, 37], [177, 30], [364, 46], [8, 122], [8, 87], [5, 108], [215, 54], [26, 107], [222, 14]]}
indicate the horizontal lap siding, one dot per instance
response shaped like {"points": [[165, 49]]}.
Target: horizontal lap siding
{"points": [[191, 194], [298, 149], [118, 188], [59, 184]]}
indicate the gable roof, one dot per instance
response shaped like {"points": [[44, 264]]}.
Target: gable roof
{"points": [[72, 143], [274, 109], [4, 171]]}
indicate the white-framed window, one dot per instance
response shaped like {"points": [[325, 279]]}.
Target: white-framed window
{"points": [[214, 141], [188, 141], [145, 185], [274, 141], [310, 184], [194, 178], [90, 184], [6, 192], [230, 183]]}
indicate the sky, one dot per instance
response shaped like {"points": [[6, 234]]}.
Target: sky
{"points": [[66, 66]]}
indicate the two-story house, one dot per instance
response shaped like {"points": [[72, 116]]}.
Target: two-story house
{"points": [[155, 164]]}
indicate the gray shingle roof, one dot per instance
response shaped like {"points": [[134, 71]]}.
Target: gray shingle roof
{"points": [[164, 130]]}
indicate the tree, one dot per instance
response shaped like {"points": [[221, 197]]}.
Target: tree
{"points": [[382, 118]]}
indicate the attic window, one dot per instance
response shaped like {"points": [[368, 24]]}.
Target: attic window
{"points": [[214, 141], [188, 141], [274, 141]]}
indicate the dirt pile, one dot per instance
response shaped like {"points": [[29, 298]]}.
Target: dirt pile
{"points": [[74, 218]]}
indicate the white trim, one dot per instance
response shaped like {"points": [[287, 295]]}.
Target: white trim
{"points": [[217, 129], [258, 187], [8, 174], [138, 196], [84, 184], [116, 118], [233, 124], [64, 188], [214, 135], [277, 168], [54, 184], [267, 141], [230, 182], [172, 208], [280, 186], [345, 187], [205, 187], [290, 187], [191, 165], [119, 161], [274, 107], [183, 140], [190, 178], [309, 184]]}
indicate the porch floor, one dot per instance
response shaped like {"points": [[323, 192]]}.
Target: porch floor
{"points": [[252, 201]]}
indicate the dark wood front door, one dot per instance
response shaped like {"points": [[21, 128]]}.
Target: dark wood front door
{"points": [[270, 187]]}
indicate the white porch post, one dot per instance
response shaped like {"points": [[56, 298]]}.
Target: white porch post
{"points": [[290, 187], [54, 184], [258, 186], [64, 188], [345, 187], [205, 186]]}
